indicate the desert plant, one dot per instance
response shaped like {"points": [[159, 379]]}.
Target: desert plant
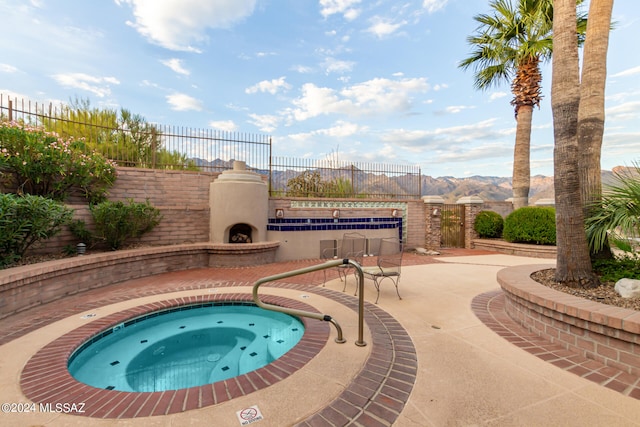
{"points": [[120, 135], [116, 222], [531, 224], [26, 220], [41, 163], [488, 224], [617, 216]]}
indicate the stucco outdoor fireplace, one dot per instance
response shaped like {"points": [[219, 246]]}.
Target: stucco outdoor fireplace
{"points": [[239, 203]]}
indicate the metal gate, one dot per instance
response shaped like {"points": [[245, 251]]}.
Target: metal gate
{"points": [[452, 226]]}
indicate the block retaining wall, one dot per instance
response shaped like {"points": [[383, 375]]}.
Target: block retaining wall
{"points": [[608, 334]]}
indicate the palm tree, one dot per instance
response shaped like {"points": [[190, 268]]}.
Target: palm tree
{"points": [[592, 88], [510, 45], [573, 263]]}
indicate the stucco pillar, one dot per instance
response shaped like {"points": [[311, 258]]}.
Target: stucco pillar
{"points": [[433, 209]]}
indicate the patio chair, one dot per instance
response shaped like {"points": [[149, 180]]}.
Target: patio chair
{"points": [[389, 265], [352, 246]]}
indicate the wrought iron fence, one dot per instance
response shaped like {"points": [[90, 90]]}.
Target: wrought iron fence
{"points": [[132, 142], [337, 179]]}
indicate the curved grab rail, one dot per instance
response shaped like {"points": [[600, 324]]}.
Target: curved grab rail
{"points": [[340, 339]]}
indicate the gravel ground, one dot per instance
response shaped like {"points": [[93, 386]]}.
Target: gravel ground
{"points": [[604, 293]]}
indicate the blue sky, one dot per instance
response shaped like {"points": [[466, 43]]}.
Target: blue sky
{"points": [[357, 80]]}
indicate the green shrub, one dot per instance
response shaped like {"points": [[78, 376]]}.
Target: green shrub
{"points": [[488, 224], [530, 224], [612, 270], [116, 222], [43, 164], [311, 184], [25, 220]]}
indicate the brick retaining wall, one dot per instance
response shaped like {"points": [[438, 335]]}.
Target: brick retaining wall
{"points": [[518, 249], [32, 285], [608, 334]]}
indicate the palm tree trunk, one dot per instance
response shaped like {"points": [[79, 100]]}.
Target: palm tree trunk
{"points": [[521, 164], [592, 89], [573, 264]]}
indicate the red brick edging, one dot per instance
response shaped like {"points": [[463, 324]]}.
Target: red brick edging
{"points": [[376, 396], [490, 309], [45, 378], [607, 334]]}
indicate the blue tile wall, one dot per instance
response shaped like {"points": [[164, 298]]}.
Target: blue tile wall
{"points": [[324, 224]]}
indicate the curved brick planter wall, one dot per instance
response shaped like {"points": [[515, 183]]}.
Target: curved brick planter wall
{"points": [[608, 334], [33, 285], [519, 249]]}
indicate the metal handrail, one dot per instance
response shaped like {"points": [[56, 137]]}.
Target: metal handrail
{"points": [[292, 311]]}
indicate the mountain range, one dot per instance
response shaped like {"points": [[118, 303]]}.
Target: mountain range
{"points": [[449, 188]]}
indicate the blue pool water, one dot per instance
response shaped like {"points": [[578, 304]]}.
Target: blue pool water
{"points": [[185, 347]]}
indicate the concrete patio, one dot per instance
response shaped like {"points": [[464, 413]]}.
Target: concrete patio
{"points": [[466, 373]]}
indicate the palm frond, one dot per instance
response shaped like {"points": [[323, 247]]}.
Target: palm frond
{"points": [[617, 215]]}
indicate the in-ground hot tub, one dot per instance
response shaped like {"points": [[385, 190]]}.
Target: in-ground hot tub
{"points": [[185, 347]]}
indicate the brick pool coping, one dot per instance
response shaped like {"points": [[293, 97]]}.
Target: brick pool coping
{"points": [[376, 396], [46, 380]]}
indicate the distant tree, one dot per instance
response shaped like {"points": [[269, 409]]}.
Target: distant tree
{"points": [[509, 45]]}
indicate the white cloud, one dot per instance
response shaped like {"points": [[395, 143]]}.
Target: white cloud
{"points": [[341, 129], [381, 27], [302, 69], [628, 72], [497, 95], [10, 95], [99, 86], [6, 68], [316, 101], [331, 7], [384, 94], [449, 137], [434, 5], [440, 86], [266, 122], [377, 96], [176, 65], [183, 102], [455, 109], [181, 24], [270, 86], [332, 65], [224, 125], [622, 112]]}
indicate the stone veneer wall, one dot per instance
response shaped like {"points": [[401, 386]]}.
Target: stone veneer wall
{"points": [[608, 334]]}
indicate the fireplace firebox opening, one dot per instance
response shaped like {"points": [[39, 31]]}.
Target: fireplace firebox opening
{"points": [[240, 233]]}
